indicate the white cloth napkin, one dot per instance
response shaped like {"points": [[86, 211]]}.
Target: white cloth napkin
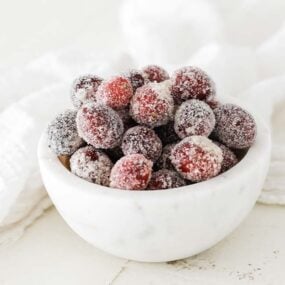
{"points": [[40, 91], [250, 65]]}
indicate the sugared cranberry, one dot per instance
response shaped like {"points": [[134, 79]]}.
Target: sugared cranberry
{"points": [[131, 172], [197, 158], [235, 127], [194, 117], [62, 135], [152, 104], [99, 125], [164, 161], [155, 73], [229, 157], [191, 83], [142, 140], [92, 165], [84, 89], [165, 179], [115, 92], [213, 102], [137, 78], [167, 133]]}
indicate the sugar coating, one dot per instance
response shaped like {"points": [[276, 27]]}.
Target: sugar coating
{"points": [[235, 127], [164, 161], [213, 101], [99, 125], [197, 158], [194, 117], [131, 172], [167, 133], [115, 92], [92, 165], [143, 140], [152, 104], [62, 135], [155, 73], [165, 179], [229, 157], [137, 78], [191, 83], [84, 89]]}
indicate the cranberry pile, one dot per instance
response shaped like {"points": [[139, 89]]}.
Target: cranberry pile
{"points": [[147, 130]]}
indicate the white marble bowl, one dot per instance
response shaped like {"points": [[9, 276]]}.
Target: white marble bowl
{"points": [[158, 225]]}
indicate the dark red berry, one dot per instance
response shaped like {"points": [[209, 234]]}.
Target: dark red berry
{"points": [[165, 179], [84, 89], [152, 105], [235, 127], [131, 172], [142, 140], [213, 102], [194, 117], [197, 158], [155, 73], [115, 92], [99, 125], [229, 157], [191, 83], [62, 135], [137, 78], [92, 165]]}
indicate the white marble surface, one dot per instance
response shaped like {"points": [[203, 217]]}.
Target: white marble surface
{"points": [[50, 253]]}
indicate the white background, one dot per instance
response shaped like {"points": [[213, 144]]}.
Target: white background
{"points": [[31, 28]]}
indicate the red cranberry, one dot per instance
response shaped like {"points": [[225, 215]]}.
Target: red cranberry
{"points": [[165, 179], [164, 161], [84, 89], [194, 117], [115, 92], [62, 135], [197, 158], [155, 73], [137, 78], [235, 127], [213, 102], [131, 172], [92, 165], [152, 105], [191, 83], [229, 157], [99, 125], [142, 140]]}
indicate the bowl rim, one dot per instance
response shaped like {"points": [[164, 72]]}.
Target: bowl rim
{"points": [[50, 162]]}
